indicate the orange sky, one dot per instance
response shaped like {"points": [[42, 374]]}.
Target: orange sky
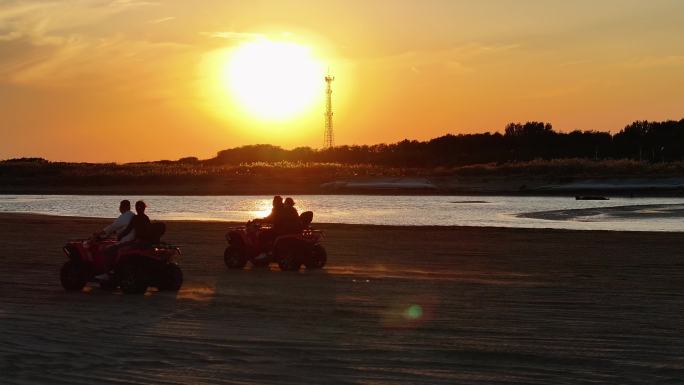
{"points": [[128, 80]]}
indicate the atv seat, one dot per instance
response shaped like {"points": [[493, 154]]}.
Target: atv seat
{"points": [[306, 218], [155, 232]]}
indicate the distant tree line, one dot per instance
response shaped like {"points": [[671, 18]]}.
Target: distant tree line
{"points": [[645, 141], [641, 140]]}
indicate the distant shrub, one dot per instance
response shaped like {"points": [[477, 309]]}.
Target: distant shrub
{"points": [[572, 167], [199, 171], [25, 160]]}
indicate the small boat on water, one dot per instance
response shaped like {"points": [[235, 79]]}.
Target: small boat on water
{"points": [[591, 198]]}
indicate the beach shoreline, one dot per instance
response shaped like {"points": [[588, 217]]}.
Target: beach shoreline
{"points": [[546, 215], [438, 185]]}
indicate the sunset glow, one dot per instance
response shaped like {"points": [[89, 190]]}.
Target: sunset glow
{"points": [[195, 80]]}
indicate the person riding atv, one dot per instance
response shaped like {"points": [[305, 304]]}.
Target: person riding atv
{"points": [[283, 219], [133, 265], [289, 241], [120, 224], [267, 234]]}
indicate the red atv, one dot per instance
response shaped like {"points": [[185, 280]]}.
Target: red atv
{"points": [[134, 268], [290, 252]]}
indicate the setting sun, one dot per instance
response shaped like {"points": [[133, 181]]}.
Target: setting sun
{"points": [[273, 80]]}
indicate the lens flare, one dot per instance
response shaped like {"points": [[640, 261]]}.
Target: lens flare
{"points": [[413, 312]]}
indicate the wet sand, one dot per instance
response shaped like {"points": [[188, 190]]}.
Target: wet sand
{"points": [[396, 305], [672, 211]]}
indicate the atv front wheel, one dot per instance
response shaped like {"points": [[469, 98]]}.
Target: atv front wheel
{"points": [[234, 258], [73, 275], [171, 278], [132, 279], [318, 258]]}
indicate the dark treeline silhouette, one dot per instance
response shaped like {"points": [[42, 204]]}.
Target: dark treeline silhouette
{"points": [[641, 140], [532, 153], [654, 142]]}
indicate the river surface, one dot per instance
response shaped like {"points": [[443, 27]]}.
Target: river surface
{"points": [[637, 214]]}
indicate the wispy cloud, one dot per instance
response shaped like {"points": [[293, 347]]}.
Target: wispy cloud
{"points": [[162, 20], [656, 62], [231, 35], [12, 9], [573, 63], [49, 43], [131, 3], [455, 59], [10, 35]]}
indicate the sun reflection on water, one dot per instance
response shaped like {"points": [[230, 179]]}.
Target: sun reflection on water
{"points": [[261, 208]]}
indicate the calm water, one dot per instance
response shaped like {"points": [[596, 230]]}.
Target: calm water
{"points": [[359, 209]]}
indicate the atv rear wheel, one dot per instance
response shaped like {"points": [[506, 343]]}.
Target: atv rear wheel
{"points": [[318, 258], [73, 275], [234, 258], [132, 279], [171, 278]]}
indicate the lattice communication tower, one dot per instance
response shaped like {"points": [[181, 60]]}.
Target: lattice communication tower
{"points": [[328, 136]]}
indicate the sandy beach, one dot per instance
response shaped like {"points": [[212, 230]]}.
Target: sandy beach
{"points": [[395, 305], [634, 212]]}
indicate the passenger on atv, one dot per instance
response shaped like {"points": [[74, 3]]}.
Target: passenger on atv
{"points": [[284, 220], [137, 230], [132, 265], [290, 223], [139, 224], [289, 241]]}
